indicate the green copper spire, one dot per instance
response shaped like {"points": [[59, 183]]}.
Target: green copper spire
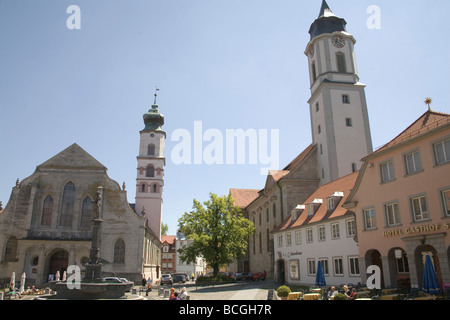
{"points": [[153, 119]]}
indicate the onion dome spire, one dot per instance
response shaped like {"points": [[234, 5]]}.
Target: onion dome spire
{"points": [[153, 119]]}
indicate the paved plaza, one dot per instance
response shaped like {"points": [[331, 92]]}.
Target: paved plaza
{"points": [[233, 291]]}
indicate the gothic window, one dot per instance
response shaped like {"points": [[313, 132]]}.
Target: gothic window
{"points": [[47, 210], [150, 171], [119, 251], [11, 249], [86, 212], [151, 150], [67, 208], [340, 57]]}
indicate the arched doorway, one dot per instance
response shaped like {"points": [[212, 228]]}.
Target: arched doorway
{"points": [[373, 257], [419, 255], [59, 261], [399, 268]]}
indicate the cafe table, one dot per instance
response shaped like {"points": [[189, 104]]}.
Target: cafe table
{"points": [[427, 297], [311, 296], [294, 295], [316, 290], [389, 296], [388, 291]]}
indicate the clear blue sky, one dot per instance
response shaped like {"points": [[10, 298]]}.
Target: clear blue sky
{"points": [[230, 64]]}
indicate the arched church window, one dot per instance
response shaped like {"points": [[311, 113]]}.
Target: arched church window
{"points": [[119, 251], [150, 172], [86, 212], [68, 203], [47, 210], [155, 188], [340, 58], [151, 150], [11, 249]]}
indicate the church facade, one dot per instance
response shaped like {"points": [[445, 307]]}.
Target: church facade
{"points": [[46, 225]]}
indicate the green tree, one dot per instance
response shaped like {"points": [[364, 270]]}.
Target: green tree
{"points": [[164, 229], [218, 229]]}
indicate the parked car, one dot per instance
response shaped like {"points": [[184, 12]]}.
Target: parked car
{"points": [[166, 279], [187, 277], [112, 279], [179, 277], [258, 276], [129, 284]]}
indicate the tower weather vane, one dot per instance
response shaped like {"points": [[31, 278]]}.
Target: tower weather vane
{"points": [[428, 102], [156, 90]]}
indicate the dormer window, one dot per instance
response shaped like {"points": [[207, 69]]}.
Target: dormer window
{"points": [[330, 204], [295, 213], [313, 206], [333, 200]]}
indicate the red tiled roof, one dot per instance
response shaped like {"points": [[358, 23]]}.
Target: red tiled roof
{"points": [[168, 239], [243, 197], [428, 121], [344, 184]]}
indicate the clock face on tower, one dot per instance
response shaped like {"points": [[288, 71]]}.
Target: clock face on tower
{"points": [[338, 41]]}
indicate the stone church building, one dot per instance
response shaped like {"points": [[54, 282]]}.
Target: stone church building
{"points": [[46, 225]]}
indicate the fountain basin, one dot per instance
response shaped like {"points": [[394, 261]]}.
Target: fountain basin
{"points": [[89, 291]]}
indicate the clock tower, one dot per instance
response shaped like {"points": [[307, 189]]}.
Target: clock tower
{"points": [[338, 109], [150, 171]]}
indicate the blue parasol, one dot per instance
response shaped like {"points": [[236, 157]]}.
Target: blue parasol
{"points": [[430, 283], [320, 277]]}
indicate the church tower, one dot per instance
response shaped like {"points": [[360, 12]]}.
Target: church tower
{"points": [[150, 171], [338, 109]]}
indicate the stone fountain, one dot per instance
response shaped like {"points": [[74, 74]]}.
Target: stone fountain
{"points": [[92, 286]]}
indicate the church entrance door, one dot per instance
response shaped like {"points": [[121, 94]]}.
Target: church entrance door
{"points": [[59, 261]]}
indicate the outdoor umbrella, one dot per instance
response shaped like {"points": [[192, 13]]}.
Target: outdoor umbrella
{"points": [[13, 281], [22, 283], [430, 283], [320, 278]]}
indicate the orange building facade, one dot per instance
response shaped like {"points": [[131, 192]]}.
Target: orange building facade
{"points": [[401, 200]]}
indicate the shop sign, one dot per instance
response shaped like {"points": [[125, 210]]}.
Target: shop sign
{"points": [[413, 230]]}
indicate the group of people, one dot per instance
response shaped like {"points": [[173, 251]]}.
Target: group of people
{"points": [[175, 295], [147, 284], [351, 295]]}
